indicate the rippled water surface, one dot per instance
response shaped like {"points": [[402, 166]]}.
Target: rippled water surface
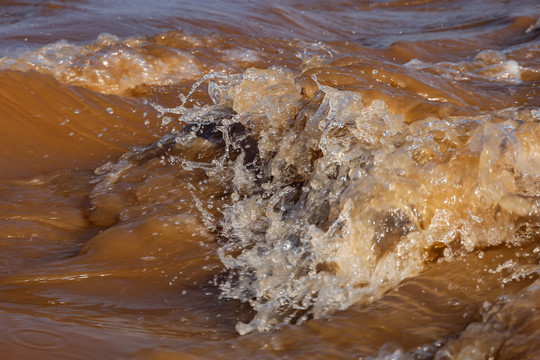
{"points": [[253, 179]]}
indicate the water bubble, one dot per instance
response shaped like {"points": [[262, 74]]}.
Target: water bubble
{"points": [[166, 120]]}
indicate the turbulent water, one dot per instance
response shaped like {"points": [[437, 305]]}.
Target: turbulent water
{"points": [[251, 179]]}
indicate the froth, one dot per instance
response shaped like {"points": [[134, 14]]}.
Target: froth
{"points": [[351, 200], [487, 65], [109, 65]]}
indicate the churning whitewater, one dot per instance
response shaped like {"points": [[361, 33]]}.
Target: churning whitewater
{"points": [[286, 180]]}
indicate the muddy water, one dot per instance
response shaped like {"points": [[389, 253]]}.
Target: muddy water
{"points": [[291, 179]]}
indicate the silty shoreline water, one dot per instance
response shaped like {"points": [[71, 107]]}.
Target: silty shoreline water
{"points": [[288, 180]]}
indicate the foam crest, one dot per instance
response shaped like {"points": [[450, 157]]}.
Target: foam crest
{"points": [[487, 65], [109, 64], [350, 200]]}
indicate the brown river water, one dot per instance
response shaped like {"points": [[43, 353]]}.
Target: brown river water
{"points": [[270, 180]]}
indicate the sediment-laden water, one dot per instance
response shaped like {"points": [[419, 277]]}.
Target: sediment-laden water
{"points": [[290, 179]]}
